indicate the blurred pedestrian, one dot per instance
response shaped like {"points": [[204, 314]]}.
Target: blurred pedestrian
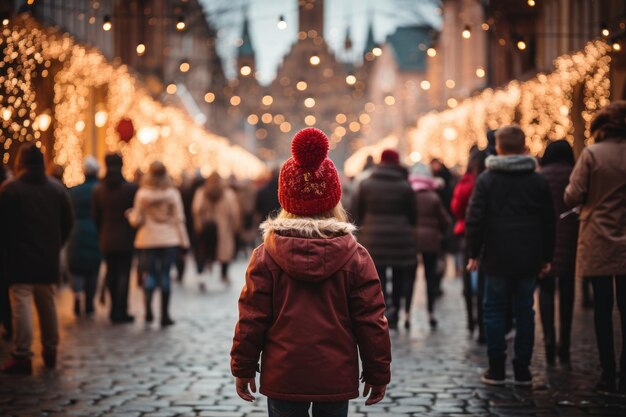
{"points": [[188, 189], [266, 203], [312, 297], [510, 229], [111, 198], [35, 219], [159, 217], [556, 165], [247, 231], [598, 186], [5, 300], [432, 222], [216, 222], [385, 211], [459, 204], [83, 253]]}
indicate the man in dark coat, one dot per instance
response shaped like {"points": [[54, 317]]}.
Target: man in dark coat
{"points": [[385, 210], [266, 203], [510, 227], [111, 198], [35, 219]]}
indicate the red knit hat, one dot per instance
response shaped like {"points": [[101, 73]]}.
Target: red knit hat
{"points": [[308, 183], [390, 156]]}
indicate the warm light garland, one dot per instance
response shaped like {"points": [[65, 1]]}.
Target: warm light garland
{"points": [[542, 106], [170, 134]]}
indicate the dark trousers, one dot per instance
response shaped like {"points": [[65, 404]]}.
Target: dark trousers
{"points": [[500, 292], [603, 294], [547, 288], [117, 276], [5, 308], [85, 282], [156, 266], [432, 279], [468, 295], [403, 281], [280, 408]]}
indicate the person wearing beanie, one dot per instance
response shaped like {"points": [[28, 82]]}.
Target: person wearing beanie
{"points": [[312, 297], [83, 253], [385, 211], [35, 219], [159, 217], [111, 198]]}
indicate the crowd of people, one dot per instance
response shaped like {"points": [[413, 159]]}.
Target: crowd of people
{"points": [[513, 223]]}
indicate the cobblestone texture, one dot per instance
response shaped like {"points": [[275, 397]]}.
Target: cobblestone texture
{"points": [[135, 370]]}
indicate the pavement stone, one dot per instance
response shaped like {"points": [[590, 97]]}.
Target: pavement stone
{"points": [[145, 371]]}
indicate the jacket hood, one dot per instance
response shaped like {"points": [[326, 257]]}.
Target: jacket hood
{"points": [[511, 163], [309, 249], [421, 183]]}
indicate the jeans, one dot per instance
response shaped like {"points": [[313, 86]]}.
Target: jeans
{"points": [[118, 272], [22, 296], [500, 292], [86, 282], [547, 288], [279, 408], [468, 295], [156, 264], [603, 294]]}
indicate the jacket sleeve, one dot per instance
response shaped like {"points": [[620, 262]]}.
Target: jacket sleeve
{"points": [[96, 209], [67, 216], [576, 190], [367, 309], [476, 218], [136, 214], [460, 199], [442, 216], [255, 318], [549, 223]]}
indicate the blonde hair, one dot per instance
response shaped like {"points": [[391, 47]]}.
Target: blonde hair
{"points": [[337, 213]]}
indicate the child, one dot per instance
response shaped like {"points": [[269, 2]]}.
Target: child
{"points": [[510, 226], [312, 296]]}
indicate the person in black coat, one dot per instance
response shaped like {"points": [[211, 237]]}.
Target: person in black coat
{"points": [[5, 300], [385, 210], [556, 166], [111, 198], [35, 219], [266, 203], [510, 228]]}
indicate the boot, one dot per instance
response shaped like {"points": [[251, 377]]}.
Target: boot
{"points": [[50, 359], [148, 301], [17, 366], [392, 318], [550, 354], [165, 305], [496, 374], [523, 377]]}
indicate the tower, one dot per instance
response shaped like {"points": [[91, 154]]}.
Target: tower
{"points": [[311, 16], [245, 55]]}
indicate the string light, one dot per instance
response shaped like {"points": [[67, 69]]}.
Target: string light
{"points": [[245, 70], [377, 51], [531, 3], [431, 52], [542, 106], [309, 102], [141, 49], [467, 32], [171, 88], [521, 44], [425, 85], [282, 24], [267, 100], [390, 100], [480, 72], [617, 46], [30, 47], [485, 26], [106, 23], [310, 120], [180, 23], [604, 30], [235, 100], [209, 97], [314, 60], [350, 79], [301, 85], [184, 66]]}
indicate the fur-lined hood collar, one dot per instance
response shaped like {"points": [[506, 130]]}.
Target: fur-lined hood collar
{"points": [[511, 163], [309, 250]]}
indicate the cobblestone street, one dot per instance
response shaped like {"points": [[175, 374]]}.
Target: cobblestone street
{"points": [[135, 370]]}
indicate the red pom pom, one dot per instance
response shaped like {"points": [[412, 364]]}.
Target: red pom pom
{"points": [[309, 147]]}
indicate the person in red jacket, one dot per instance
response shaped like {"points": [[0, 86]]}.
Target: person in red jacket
{"points": [[312, 301], [460, 201]]}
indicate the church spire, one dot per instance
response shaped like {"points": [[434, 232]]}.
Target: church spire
{"points": [[246, 49], [370, 43]]}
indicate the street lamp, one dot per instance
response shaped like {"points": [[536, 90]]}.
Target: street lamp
{"points": [[467, 32], [106, 23], [282, 24], [180, 24]]}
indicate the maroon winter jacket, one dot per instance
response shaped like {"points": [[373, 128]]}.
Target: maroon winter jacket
{"points": [[306, 305]]}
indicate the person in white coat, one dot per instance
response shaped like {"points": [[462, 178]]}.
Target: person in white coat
{"points": [[159, 217]]}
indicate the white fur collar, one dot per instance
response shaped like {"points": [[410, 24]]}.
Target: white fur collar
{"points": [[307, 227], [511, 163]]}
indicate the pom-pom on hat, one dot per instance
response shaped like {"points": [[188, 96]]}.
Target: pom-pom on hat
{"points": [[308, 183]]}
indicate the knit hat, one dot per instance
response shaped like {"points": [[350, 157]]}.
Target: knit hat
{"points": [[390, 156], [30, 156], [91, 166], [308, 183]]}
